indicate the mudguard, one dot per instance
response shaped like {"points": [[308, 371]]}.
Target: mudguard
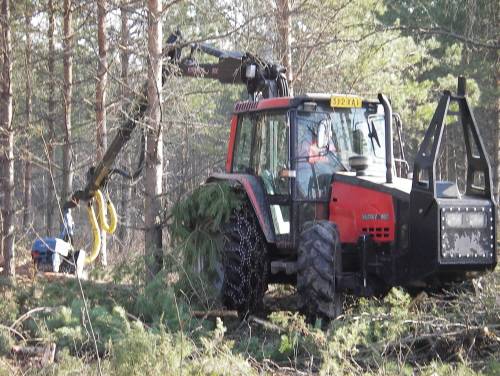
{"points": [[253, 188]]}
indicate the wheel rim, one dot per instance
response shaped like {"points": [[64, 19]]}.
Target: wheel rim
{"points": [[216, 280]]}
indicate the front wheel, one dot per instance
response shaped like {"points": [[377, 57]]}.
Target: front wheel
{"points": [[245, 262], [319, 250]]}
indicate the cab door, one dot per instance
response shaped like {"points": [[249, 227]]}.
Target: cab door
{"points": [[270, 158], [262, 148]]}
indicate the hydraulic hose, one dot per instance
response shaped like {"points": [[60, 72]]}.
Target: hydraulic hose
{"points": [[96, 225], [103, 222], [96, 236], [112, 215]]}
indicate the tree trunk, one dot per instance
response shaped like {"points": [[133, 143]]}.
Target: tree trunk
{"points": [[285, 39], [102, 77], [49, 213], [67, 98], [1, 218], [126, 188], [154, 146], [7, 143], [27, 161], [496, 171]]}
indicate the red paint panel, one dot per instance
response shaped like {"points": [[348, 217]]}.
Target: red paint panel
{"points": [[255, 203], [357, 210], [232, 138], [266, 104]]}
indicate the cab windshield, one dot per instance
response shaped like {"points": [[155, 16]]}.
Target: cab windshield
{"points": [[327, 138]]}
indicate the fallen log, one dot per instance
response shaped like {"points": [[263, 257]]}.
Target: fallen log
{"points": [[214, 313], [45, 354], [31, 312], [265, 324], [13, 331]]}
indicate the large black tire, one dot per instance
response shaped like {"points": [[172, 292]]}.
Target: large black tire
{"points": [[245, 262], [319, 250]]}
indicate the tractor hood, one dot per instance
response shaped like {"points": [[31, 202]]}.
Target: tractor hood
{"points": [[399, 188], [368, 205]]}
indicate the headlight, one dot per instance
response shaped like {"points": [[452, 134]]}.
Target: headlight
{"points": [[453, 220], [465, 220], [474, 220]]}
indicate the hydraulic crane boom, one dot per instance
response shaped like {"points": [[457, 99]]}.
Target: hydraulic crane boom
{"points": [[262, 79]]}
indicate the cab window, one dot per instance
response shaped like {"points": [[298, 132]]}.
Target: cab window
{"points": [[377, 136], [270, 154], [317, 162], [243, 146]]}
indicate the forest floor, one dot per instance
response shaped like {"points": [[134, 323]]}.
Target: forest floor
{"points": [[163, 328]]}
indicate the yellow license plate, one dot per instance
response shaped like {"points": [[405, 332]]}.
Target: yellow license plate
{"points": [[345, 101]]}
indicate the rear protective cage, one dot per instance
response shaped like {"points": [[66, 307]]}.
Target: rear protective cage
{"points": [[424, 172], [430, 198]]}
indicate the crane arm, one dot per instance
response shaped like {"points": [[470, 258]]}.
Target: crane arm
{"points": [[262, 79]]}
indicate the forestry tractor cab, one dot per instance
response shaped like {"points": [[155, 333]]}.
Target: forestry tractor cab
{"points": [[327, 206]]}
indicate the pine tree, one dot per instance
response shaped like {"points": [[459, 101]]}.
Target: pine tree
{"points": [[102, 78], [68, 98]]}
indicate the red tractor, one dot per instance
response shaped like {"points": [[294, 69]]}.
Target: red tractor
{"points": [[326, 212]]}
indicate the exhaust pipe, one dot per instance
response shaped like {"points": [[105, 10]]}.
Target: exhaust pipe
{"points": [[461, 86], [388, 137]]}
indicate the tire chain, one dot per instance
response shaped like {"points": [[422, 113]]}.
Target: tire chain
{"points": [[245, 262]]}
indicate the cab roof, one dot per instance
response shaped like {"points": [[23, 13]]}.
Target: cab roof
{"points": [[287, 102]]}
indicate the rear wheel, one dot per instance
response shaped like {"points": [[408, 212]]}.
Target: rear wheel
{"points": [[319, 250], [245, 262]]}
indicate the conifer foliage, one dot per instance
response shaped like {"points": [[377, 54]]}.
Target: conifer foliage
{"points": [[198, 220]]}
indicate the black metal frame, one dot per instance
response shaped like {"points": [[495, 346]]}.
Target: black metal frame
{"points": [[426, 204], [402, 166], [426, 158]]}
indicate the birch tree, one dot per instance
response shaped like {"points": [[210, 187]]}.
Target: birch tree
{"points": [[7, 143], [154, 146]]}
